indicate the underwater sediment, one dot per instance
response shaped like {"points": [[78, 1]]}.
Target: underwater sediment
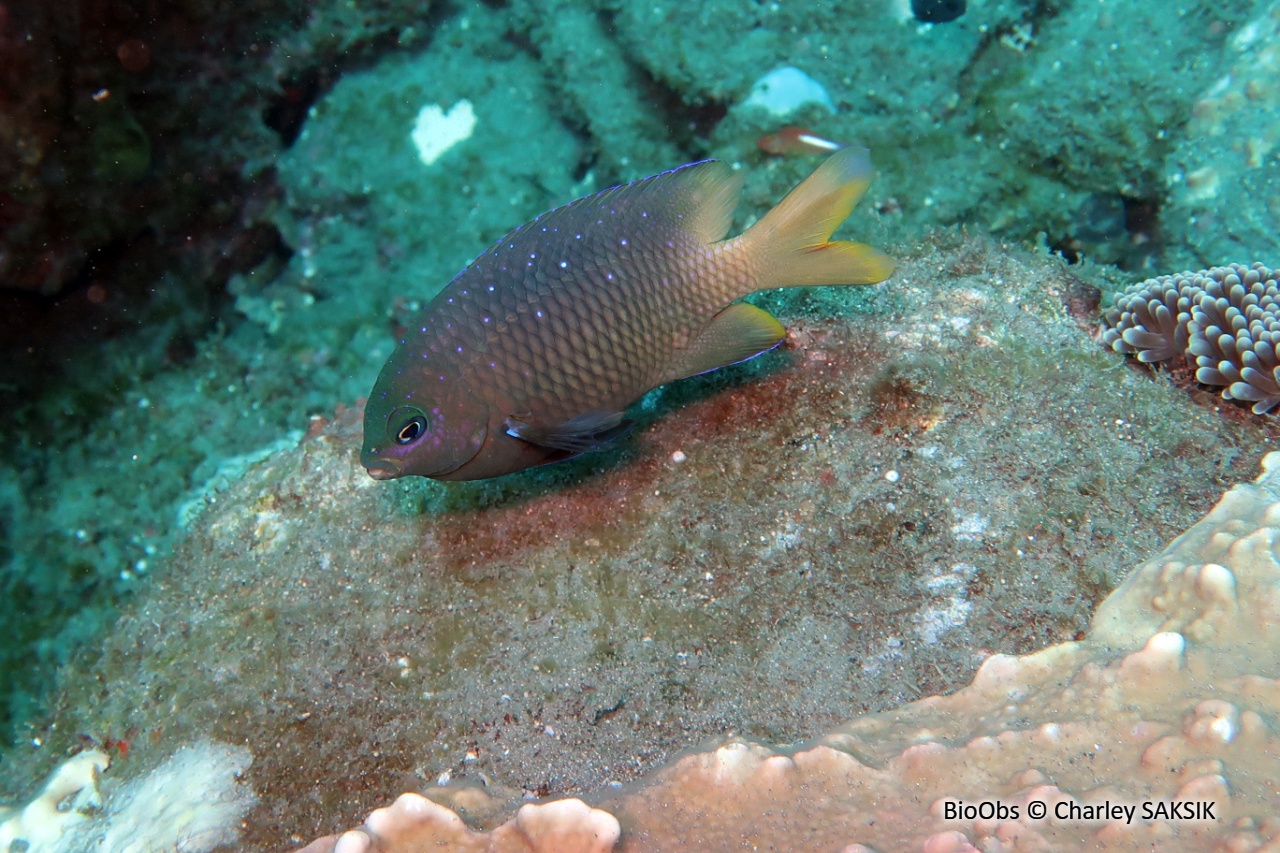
{"points": [[1154, 731]]}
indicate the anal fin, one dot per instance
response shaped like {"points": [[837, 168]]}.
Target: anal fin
{"points": [[736, 334]]}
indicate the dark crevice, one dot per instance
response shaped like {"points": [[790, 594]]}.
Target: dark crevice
{"points": [[523, 42], [1114, 229], [1067, 249], [701, 121], [1142, 218], [585, 164], [298, 91], [686, 124], [287, 110], [689, 125], [119, 291], [987, 64]]}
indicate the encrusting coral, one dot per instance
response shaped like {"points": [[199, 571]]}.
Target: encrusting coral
{"points": [[1225, 323], [192, 802], [413, 822], [59, 807], [1155, 731]]}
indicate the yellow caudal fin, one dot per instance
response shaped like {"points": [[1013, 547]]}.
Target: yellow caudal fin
{"points": [[790, 244]]}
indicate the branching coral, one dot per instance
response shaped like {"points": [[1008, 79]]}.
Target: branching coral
{"points": [[1224, 322], [1156, 731]]}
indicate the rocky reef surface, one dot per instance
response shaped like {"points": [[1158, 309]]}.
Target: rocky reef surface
{"points": [[951, 470], [1154, 731]]}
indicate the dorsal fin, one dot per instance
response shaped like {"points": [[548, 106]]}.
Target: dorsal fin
{"points": [[693, 203]]}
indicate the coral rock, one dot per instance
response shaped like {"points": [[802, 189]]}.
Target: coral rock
{"points": [[1151, 731]]}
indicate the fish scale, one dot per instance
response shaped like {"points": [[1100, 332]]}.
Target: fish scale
{"points": [[535, 351]]}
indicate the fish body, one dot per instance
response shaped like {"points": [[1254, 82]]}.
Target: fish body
{"points": [[534, 352]]}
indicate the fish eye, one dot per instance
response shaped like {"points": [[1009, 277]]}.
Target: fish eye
{"points": [[411, 430], [406, 425]]}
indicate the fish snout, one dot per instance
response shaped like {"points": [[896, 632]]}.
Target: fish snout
{"points": [[382, 469]]}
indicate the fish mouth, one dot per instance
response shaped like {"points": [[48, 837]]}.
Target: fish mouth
{"points": [[383, 469]]}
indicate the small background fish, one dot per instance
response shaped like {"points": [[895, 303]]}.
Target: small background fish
{"points": [[796, 140], [534, 352]]}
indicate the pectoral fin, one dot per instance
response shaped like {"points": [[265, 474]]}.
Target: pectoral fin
{"points": [[587, 431], [736, 334]]}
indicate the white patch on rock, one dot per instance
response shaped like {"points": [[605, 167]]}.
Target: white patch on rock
{"points": [[191, 803], [953, 605], [970, 527], [436, 131], [785, 90], [65, 804]]}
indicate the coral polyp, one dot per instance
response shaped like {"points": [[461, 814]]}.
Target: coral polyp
{"points": [[1222, 322]]}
